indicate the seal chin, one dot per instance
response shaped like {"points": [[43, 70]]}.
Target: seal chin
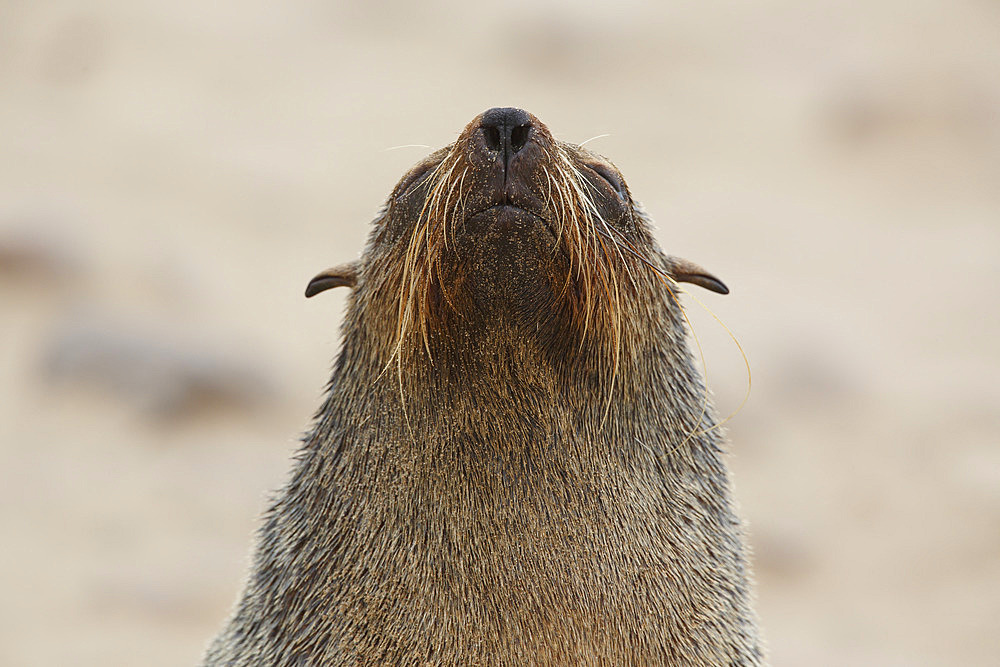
{"points": [[505, 256]]}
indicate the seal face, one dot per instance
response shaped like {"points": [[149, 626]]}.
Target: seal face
{"points": [[539, 478], [509, 221], [542, 209]]}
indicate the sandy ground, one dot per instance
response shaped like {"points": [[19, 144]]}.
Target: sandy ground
{"points": [[171, 174]]}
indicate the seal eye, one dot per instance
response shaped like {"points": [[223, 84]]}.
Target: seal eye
{"points": [[611, 178], [415, 178]]}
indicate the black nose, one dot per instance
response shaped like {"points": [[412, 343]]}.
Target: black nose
{"points": [[506, 131]]}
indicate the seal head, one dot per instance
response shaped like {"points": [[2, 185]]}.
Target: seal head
{"points": [[516, 462]]}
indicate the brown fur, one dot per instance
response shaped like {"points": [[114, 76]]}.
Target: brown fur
{"points": [[516, 462]]}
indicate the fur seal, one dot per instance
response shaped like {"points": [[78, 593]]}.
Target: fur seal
{"points": [[516, 462]]}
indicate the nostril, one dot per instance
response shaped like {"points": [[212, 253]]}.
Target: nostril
{"points": [[519, 137], [493, 138], [505, 130]]}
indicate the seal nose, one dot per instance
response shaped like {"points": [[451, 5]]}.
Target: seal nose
{"points": [[505, 131]]}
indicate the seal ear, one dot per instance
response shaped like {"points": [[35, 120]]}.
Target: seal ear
{"points": [[338, 276], [686, 271]]}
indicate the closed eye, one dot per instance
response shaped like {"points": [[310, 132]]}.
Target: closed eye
{"points": [[611, 178], [413, 180]]}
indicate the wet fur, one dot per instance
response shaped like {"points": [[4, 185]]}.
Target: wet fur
{"points": [[514, 463]]}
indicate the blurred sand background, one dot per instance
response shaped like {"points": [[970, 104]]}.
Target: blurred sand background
{"points": [[172, 173]]}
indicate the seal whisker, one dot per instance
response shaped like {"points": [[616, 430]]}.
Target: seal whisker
{"points": [[550, 203], [396, 148], [669, 283], [461, 200], [606, 275], [421, 261], [594, 138]]}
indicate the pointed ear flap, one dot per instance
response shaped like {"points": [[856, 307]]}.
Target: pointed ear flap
{"points": [[685, 271], [344, 275]]}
